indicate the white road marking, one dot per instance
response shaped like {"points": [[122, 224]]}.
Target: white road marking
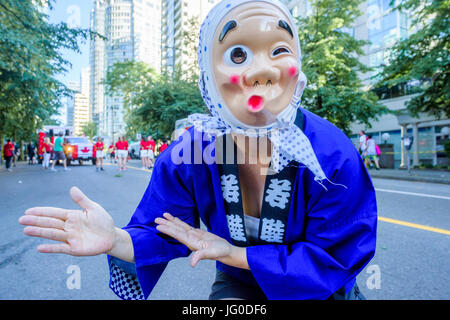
{"points": [[413, 194]]}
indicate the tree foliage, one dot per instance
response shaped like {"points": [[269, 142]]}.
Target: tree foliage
{"points": [[331, 62], [424, 56], [90, 129], [163, 103], [127, 80], [447, 148], [190, 70], [30, 58], [152, 102]]}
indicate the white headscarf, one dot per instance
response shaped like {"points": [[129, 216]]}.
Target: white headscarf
{"points": [[288, 141]]}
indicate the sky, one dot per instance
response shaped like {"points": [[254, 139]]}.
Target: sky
{"points": [[76, 13]]}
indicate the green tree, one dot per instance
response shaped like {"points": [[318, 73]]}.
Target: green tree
{"points": [[90, 129], [424, 56], [331, 62], [30, 58], [447, 148], [128, 80], [190, 70], [163, 103]]}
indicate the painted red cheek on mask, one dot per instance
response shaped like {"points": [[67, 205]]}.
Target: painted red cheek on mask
{"points": [[234, 79], [293, 71]]}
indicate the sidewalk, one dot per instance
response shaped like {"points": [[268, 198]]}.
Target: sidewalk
{"points": [[423, 175]]}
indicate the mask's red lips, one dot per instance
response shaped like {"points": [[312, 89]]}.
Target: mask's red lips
{"points": [[255, 103]]}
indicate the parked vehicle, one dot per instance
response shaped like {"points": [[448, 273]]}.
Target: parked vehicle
{"points": [[79, 149], [134, 150]]}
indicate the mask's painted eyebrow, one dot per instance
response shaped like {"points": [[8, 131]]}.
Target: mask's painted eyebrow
{"points": [[228, 27], [284, 25]]}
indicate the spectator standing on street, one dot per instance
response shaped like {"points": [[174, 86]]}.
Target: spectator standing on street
{"points": [[125, 146], [371, 153], [30, 151], [112, 153], [8, 153], [16, 152], [47, 151], [164, 146], [362, 143], [118, 148], [99, 154], [59, 152], [151, 152], [144, 146], [122, 153]]}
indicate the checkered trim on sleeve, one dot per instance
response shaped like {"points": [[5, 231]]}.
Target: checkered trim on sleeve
{"points": [[124, 285]]}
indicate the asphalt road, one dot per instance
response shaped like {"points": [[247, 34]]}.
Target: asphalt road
{"points": [[412, 261]]}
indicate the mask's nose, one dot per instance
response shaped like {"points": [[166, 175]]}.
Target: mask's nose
{"points": [[262, 74]]}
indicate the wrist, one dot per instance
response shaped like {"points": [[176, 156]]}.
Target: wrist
{"points": [[115, 241], [237, 257], [122, 246]]}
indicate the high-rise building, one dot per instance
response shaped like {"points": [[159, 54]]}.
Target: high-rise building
{"points": [[133, 32], [69, 102], [175, 22], [97, 64], [81, 114], [85, 81]]}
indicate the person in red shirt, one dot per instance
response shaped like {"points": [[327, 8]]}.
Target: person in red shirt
{"points": [[119, 153], [163, 146], [125, 152], [47, 151], [8, 152], [112, 153], [144, 153], [99, 154], [151, 152]]}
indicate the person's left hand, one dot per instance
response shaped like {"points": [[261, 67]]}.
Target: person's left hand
{"points": [[204, 244]]}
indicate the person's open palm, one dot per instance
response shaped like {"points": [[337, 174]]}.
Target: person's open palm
{"points": [[82, 233]]}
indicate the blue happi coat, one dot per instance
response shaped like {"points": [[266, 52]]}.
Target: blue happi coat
{"points": [[330, 233]]}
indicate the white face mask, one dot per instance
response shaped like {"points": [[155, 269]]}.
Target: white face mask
{"points": [[288, 141]]}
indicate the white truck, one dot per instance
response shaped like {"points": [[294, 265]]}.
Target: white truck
{"points": [[79, 149]]}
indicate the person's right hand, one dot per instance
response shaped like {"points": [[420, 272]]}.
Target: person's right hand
{"points": [[81, 233]]}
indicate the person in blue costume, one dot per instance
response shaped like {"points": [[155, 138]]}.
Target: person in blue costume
{"points": [[289, 208]]}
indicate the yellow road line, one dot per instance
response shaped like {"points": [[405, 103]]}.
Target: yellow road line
{"points": [[415, 225]]}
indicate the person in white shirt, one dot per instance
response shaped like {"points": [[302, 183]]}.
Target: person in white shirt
{"points": [[362, 143], [370, 153]]}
